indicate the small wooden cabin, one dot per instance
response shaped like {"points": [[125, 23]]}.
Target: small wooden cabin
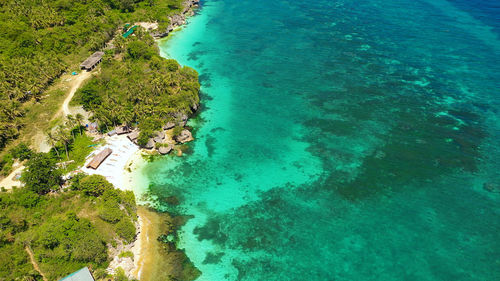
{"points": [[122, 130], [93, 127], [91, 62], [99, 158], [133, 136]]}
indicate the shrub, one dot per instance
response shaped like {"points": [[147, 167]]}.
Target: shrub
{"points": [[125, 229], [41, 174], [75, 181], [21, 152], [127, 254], [110, 212], [172, 65], [26, 198], [139, 49], [100, 274], [127, 199], [89, 247], [177, 131], [120, 275], [94, 185], [89, 95], [6, 164]]}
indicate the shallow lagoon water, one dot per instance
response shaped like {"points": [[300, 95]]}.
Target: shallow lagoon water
{"points": [[339, 140]]}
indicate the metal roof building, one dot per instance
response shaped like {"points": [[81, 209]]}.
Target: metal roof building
{"points": [[92, 61], [130, 31], [80, 275]]}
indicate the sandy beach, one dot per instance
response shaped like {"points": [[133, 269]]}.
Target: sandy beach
{"points": [[114, 168], [146, 245], [117, 169]]}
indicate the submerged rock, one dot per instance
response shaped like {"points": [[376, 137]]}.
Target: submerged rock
{"points": [[172, 200], [492, 187]]}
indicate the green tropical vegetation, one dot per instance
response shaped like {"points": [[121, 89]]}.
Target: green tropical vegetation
{"points": [[70, 225], [21, 152], [63, 229], [41, 39], [137, 86]]}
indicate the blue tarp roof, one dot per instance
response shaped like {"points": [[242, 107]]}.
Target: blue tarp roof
{"points": [[130, 31], [80, 275]]}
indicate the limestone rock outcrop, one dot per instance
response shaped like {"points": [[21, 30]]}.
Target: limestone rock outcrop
{"points": [[184, 136], [165, 149]]}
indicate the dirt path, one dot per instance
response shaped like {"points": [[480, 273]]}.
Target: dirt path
{"points": [[8, 182], [34, 263], [64, 110], [74, 85]]}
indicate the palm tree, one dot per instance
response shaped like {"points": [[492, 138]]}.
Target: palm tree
{"points": [[62, 133], [79, 120], [53, 142], [70, 124]]}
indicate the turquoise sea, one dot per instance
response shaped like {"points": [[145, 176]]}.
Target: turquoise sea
{"points": [[340, 140]]}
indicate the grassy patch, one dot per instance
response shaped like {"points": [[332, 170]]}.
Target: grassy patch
{"points": [[79, 150], [127, 254]]}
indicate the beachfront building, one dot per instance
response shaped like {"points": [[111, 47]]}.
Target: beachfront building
{"points": [[123, 130], [92, 61], [99, 158], [92, 127], [83, 274], [133, 136]]}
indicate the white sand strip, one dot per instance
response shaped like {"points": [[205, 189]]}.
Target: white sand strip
{"points": [[114, 167]]}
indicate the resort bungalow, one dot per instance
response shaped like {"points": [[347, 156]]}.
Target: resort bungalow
{"points": [[133, 136], [83, 274], [93, 127], [99, 158], [91, 62], [122, 130], [112, 133]]}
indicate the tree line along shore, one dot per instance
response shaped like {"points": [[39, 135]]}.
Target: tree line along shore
{"points": [[53, 225]]}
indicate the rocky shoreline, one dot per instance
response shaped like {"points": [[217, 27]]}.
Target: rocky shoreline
{"points": [[150, 256], [178, 20]]}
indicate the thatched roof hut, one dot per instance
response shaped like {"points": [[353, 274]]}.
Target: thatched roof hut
{"points": [[92, 61], [99, 158], [123, 130], [92, 127], [133, 136]]}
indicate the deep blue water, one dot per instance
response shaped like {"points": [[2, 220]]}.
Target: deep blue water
{"points": [[340, 140], [486, 11]]}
